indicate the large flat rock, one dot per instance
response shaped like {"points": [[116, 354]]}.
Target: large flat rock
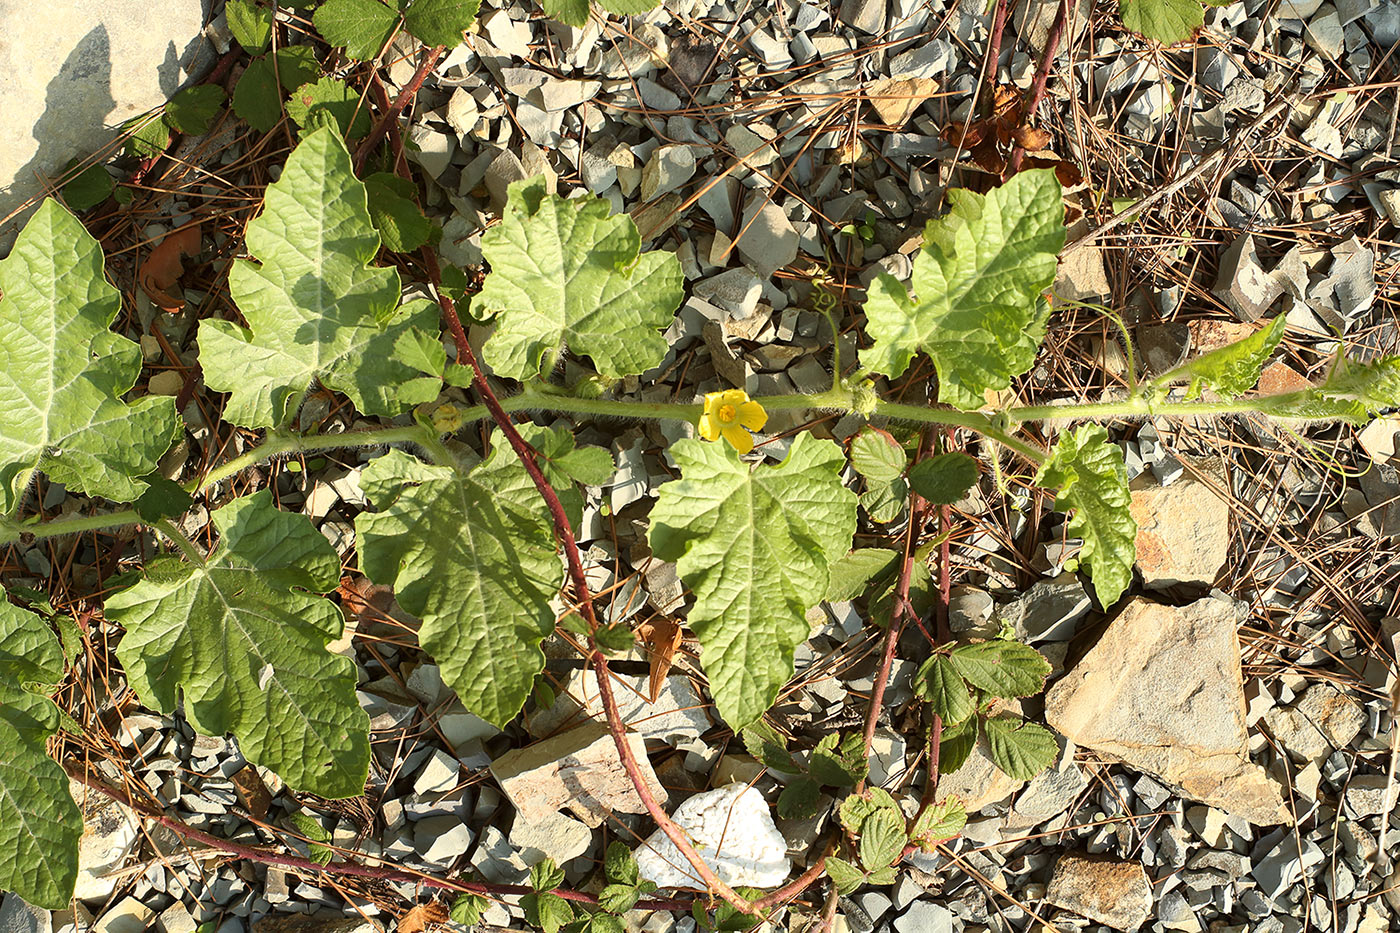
{"points": [[74, 70], [1163, 692]]}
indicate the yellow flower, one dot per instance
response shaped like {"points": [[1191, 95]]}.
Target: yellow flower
{"points": [[728, 413]]}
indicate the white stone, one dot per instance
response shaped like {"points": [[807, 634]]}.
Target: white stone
{"points": [[74, 72], [557, 836], [109, 834], [732, 829]]}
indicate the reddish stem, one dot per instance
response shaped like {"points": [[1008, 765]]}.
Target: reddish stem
{"points": [[993, 55], [1042, 75], [410, 90], [352, 869], [566, 539]]}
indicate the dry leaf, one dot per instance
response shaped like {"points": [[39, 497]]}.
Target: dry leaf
{"points": [[422, 917], [164, 266], [661, 638]]}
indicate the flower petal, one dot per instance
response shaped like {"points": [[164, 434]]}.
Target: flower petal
{"points": [[739, 439], [752, 416], [708, 429], [735, 397]]}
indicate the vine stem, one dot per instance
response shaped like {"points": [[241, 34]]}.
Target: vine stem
{"points": [[352, 869], [993, 55], [567, 542]]}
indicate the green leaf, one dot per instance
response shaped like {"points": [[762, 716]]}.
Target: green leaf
{"points": [[921, 596], [1375, 385], [844, 875], [316, 308], [440, 22], [88, 188], [311, 828], [562, 462], [618, 898], [329, 99], [421, 352], [1164, 21], [572, 12], [849, 575], [939, 683], [163, 498], [549, 912], [857, 808], [769, 746], [297, 65], [401, 225], [884, 877], [63, 373], [192, 111], [546, 876], [938, 822], [628, 7], [604, 923], [882, 839], [754, 546], [620, 865], [799, 799], [39, 824], [149, 136], [250, 24], [241, 637], [361, 26], [944, 478], [256, 98], [468, 909], [957, 745], [977, 308], [1021, 749], [471, 553], [1001, 667], [1234, 368], [567, 273], [838, 767], [1089, 476], [877, 456], [884, 502]]}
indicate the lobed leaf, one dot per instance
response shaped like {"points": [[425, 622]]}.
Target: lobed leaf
{"points": [[63, 373], [977, 307], [39, 824], [1021, 749], [1234, 368], [755, 547], [566, 274], [1375, 386], [1001, 667], [316, 309], [241, 637], [1090, 478], [471, 553]]}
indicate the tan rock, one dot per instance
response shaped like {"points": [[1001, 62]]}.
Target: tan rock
{"points": [[1207, 334], [1279, 377], [1322, 720], [1379, 439], [577, 769], [1111, 892], [894, 100], [1183, 529], [979, 783], [1162, 691]]}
